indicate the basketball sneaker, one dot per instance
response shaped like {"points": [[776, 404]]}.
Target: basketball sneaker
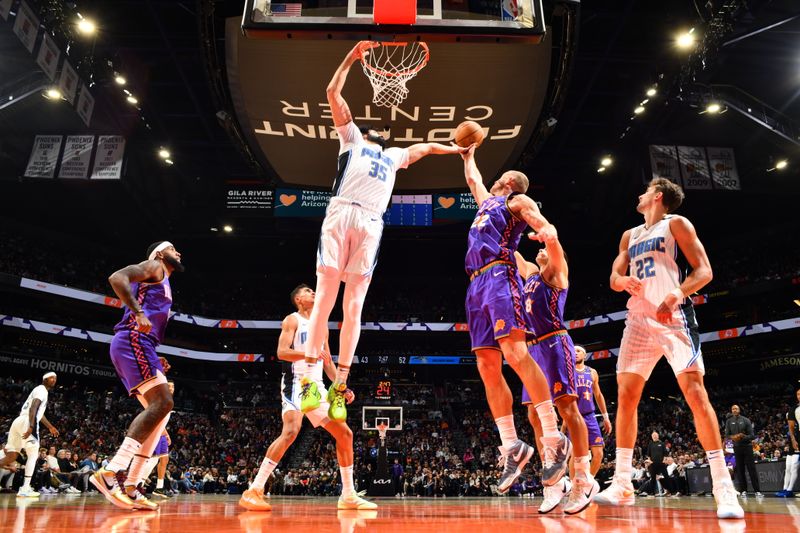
{"points": [[354, 501], [140, 501], [620, 492], [727, 503], [253, 500], [161, 493], [513, 460], [309, 395], [556, 454], [27, 492], [554, 494], [338, 405], [583, 490], [108, 483]]}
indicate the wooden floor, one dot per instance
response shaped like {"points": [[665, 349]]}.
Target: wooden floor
{"points": [[220, 514]]}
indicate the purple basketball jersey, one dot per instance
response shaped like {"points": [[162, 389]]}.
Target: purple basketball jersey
{"points": [[494, 235], [155, 299], [584, 383], [544, 306]]}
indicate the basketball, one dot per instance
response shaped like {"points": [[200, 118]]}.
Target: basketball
{"points": [[469, 132]]}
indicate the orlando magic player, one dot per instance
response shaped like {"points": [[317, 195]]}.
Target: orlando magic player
{"points": [[145, 290], [653, 267], [352, 229], [545, 295], [497, 326], [291, 350], [24, 433]]}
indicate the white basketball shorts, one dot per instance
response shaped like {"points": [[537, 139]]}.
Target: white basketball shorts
{"points": [[15, 441], [645, 340], [350, 239]]}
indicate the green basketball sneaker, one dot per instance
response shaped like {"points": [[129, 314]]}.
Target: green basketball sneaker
{"points": [[309, 395], [338, 409]]}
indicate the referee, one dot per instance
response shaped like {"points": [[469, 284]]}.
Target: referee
{"points": [[740, 430]]}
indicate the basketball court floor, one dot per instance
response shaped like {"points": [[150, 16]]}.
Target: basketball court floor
{"points": [[221, 514]]}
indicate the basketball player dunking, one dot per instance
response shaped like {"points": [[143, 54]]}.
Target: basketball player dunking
{"points": [[145, 290], [545, 295], [652, 267], [351, 231], [497, 324], [24, 433], [291, 350]]}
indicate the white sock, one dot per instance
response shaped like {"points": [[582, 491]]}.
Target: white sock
{"points": [[149, 465], [624, 466], [123, 457], [136, 472], [348, 487], [547, 416], [160, 483], [508, 433], [341, 373], [267, 467], [719, 471], [582, 467]]}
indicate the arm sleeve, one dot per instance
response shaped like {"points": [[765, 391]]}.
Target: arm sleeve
{"points": [[399, 156], [349, 136]]}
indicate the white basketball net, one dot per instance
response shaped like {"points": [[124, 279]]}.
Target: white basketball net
{"points": [[382, 432], [389, 66]]}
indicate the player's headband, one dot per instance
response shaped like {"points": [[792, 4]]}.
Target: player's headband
{"points": [[160, 247], [49, 375]]}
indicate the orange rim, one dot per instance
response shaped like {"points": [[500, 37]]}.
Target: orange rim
{"points": [[386, 73]]}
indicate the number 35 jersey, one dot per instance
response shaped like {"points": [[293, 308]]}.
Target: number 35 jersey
{"points": [[658, 262], [366, 172]]}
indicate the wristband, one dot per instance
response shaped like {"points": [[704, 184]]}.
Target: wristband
{"points": [[605, 416], [678, 293], [139, 312]]}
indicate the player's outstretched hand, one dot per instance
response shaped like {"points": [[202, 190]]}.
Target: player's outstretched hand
{"points": [[546, 234], [607, 427], [361, 50], [349, 396], [143, 323], [325, 356], [165, 364]]}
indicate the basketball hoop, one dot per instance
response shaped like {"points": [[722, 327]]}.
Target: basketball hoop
{"points": [[389, 66], [382, 429]]}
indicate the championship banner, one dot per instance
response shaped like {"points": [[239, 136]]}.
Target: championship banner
{"points": [[5, 8], [85, 105], [48, 56], [257, 200], [300, 203], [108, 159], [26, 27], [68, 82], [460, 206], [694, 167], [76, 157], [664, 163], [723, 168], [44, 156]]}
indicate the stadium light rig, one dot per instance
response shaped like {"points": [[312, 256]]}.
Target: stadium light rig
{"points": [[686, 40], [86, 26]]}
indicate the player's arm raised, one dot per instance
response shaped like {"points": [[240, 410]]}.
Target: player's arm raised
{"points": [[620, 281], [420, 150], [339, 108], [473, 176], [556, 272], [600, 400], [695, 253], [285, 351], [524, 208], [121, 283]]}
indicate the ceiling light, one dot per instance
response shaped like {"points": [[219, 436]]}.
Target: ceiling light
{"points": [[86, 26], [214, 229], [686, 40], [639, 110], [169, 161], [606, 161], [713, 108], [132, 99], [120, 79], [651, 92], [643, 102], [52, 94], [227, 229], [163, 153], [601, 170], [797, 303], [780, 165]]}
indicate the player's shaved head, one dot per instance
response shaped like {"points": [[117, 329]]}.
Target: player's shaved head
{"points": [[517, 181]]}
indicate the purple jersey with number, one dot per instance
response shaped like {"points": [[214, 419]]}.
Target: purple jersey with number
{"points": [[494, 235], [544, 306], [155, 299], [584, 383]]}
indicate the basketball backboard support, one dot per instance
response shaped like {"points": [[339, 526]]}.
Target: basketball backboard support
{"points": [[456, 20], [373, 416]]}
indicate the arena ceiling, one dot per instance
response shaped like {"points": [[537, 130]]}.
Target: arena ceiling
{"points": [[173, 55]]}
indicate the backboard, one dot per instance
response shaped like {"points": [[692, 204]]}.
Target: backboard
{"points": [[373, 416]]}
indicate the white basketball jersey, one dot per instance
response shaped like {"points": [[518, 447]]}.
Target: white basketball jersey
{"points": [[366, 172], [299, 344], [658, 263], [38, 393]]}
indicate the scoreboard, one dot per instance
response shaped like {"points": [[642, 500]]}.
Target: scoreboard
{"points": [[409, 210]]}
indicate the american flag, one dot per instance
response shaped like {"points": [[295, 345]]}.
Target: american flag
{"points": [[287, 10]]}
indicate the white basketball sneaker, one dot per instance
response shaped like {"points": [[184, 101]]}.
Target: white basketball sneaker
{"points": [[620, 492], [583, 490], [554, 494], [727, 503]]}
